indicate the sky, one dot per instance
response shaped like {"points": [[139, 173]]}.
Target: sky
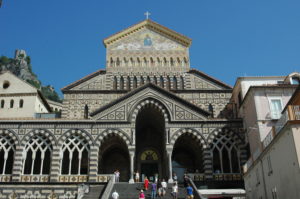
{"points": [[230, 38]]}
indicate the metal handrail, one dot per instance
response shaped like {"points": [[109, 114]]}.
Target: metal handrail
{"points": [[197, 195]]}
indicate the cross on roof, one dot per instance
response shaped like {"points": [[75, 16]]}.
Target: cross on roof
{"points": [[147, 14]]}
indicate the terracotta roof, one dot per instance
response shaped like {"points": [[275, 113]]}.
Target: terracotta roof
{"points": [[148, 23], [195, 71], [101, 71]]}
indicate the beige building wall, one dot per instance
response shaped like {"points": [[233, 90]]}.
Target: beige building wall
{"points": [[277, 170], [14, 90]]}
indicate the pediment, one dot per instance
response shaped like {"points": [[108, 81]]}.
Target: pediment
{"points": [[122, 109], [150, 25]]}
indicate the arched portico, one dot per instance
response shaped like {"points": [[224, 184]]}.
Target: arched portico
{"points": [[150, 139]]}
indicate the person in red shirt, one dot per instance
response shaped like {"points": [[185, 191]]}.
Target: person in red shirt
{"points": [[146, 183]]}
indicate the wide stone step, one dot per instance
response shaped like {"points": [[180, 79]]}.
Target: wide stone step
{"points": [[131, 191], [94, 192]]}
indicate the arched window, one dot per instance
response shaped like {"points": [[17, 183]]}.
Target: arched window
{"points": [[125, 63], [138, 62], [128, 83], [134, 82], [75, 155], [115, 83], [145, 62], [226, 155], [11, 103], [21, 103], [7, 151], [185, 61], [86, 112], [181, 83], [165, 61], [172, 62], [168, 83], [118, 62], [151, 61], [211, 110], [121, 83], [178, 61], [37, 156], [174, 83], [131, 62], [158, 62], [148, 79], [161, 82], [2, 103], [111, 62]]}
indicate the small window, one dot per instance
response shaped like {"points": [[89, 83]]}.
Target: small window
{"points": [[21, 103], [275, 108], [270, 170], [6, 84], [11, 103], [2, 103]]}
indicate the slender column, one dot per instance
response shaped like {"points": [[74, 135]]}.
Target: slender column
{"points": [[207, 163], [169, 152], [56, 163], [18, 164], [93, 165], [131, 153]]}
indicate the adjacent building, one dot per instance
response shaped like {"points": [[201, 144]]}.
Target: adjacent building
{"points": [[268, 106]]}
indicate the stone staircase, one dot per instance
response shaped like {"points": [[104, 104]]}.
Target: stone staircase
{"points": [[131, 191], [95, 192]]}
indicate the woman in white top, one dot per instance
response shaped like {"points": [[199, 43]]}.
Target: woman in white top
{"points": [[137, 176], [164, 186], [175, 190]]}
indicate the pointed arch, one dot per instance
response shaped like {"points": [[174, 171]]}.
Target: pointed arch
{"points": [[172, 63], [178, 63], [165, 62], [181, 85], [118, 62], [11, 103], [145, 62], [115, 83], [7, 152], [121, 83], [226, 152], [131, 62], [155, 80], [128, 83], [152, 62], [159, 62], [138, 62], [142, 81], [161, 82], [168, 83], [125, 62], [134, 84], [175, 83], [148, 80], [111, 62]]}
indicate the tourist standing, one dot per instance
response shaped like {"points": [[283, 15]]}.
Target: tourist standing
{"points": [[159, 189], [185, 180], [189, 191], [175, 190], [153, 190], [142, 195], [137, 176], [146, 183], [117, 176], [115, 195], [164, 187]]}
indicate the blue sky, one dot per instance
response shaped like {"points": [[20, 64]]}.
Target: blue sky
{"points": [[231, 38]]}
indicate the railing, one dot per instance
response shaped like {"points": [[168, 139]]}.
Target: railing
{"points": [[109, 187], [35, 178], [227, 176], [104, 177], [268, 139], [197, 194], [73, 178], [197, 176], [5, 178]]}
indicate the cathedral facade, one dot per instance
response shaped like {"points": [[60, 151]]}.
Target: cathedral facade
{"points": [[147, 111]]}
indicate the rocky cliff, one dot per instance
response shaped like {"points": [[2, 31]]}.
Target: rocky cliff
{"points": [[20, 65]]}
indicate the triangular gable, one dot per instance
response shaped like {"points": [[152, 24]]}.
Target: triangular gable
{"points": [[210, 79], [16, 84], [152, 26], [177, 108], [83, 80]]}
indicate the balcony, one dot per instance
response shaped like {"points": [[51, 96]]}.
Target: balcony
{"points": [[227, 176]]}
